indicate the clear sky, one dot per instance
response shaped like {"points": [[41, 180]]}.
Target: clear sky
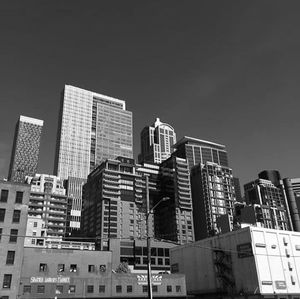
{"points": [[224, 71]]}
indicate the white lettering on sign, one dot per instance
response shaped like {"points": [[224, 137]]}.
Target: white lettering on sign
{"points": [[156, 279], [60, 279]]}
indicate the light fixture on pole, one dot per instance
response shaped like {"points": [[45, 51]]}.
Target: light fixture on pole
{"points": [[150, 211]]}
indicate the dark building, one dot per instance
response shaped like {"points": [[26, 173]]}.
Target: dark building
{"points": [[213, 190], [114, 201], [237, 189], [14, 200], [26, 148], [174, 217], [266, 202]]}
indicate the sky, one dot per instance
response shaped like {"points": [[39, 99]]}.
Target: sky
{"points": [[223, 71]]}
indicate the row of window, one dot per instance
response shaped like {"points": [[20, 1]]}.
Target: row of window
{"points": [[15, 218], [71, 289], [4, 196], [73, 268]]}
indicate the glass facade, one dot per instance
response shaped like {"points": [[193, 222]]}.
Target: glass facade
{"points": [[92, 127]]}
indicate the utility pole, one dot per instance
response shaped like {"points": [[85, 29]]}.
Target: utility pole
{"points": [[148, 240]]}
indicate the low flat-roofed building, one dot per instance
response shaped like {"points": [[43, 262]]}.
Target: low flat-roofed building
{"points": [[248, 263], [65, 273]]}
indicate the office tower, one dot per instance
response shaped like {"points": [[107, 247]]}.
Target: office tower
{"points": [[212, 184], [92, 127], [266, 202], [48, 201], [175, 216], [13, 217], [114, 203], [26, 147], [156, 142], [237, 189]]}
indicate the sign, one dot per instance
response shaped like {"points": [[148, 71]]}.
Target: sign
{"points": [[50, 279], [143, 279], [280, 284], [244, 250]]}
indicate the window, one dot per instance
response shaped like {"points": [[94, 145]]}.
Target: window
{"points": [[7, 281], [91, 268], [73, 268], [102, 289], [13, 236], [27, 289], [90, 289], [61, 268], [129, 289], [169, 289], [43, 267], [34, 224], [2, 215], [0, 233], [102, 268], [19, 197], [154, 289], [178, 289], [4, 195], [145, 289], [16, 216], [40, 289], [59, 289], [119, 289], [72, 289], [159, 261], [10, 258]]}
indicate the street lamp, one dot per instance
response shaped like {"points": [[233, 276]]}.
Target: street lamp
{"points": [[150, 211]]}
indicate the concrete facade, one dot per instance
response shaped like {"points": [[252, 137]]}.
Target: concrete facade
{"points": [[13, 219], [247, 263], [58, 273]]}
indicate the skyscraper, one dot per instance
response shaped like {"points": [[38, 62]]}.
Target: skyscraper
{"points": [[213, 192], [26, 148], [92, 127], [156, 142]]}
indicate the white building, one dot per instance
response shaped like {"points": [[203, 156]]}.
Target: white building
{"points": [[248, 263]]}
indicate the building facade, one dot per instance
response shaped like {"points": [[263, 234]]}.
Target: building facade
{"points": [[49, 202], [26, 148], [92, 127], [175, 216], [212, 182], [266, 200], [61, 273], [247, 263], [14, 200], [157, 142], [114, 202]]}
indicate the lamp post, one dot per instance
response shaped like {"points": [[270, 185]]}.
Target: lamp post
{"points": [[149, 211]]}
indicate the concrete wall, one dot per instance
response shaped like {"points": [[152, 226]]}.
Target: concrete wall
{"points": [[6, 226]]}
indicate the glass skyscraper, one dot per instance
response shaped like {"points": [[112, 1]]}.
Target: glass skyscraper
{"points": [[26, 148], [92, 127]]}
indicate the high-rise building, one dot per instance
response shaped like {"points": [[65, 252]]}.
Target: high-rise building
{"points": [[26, 148], [175, 216], [157, 142], [92, 127], [48, 201], [13, 218], [213, 191], [267, 205]]}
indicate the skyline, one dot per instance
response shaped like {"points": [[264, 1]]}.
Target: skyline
{"points": [[214, 71]]}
